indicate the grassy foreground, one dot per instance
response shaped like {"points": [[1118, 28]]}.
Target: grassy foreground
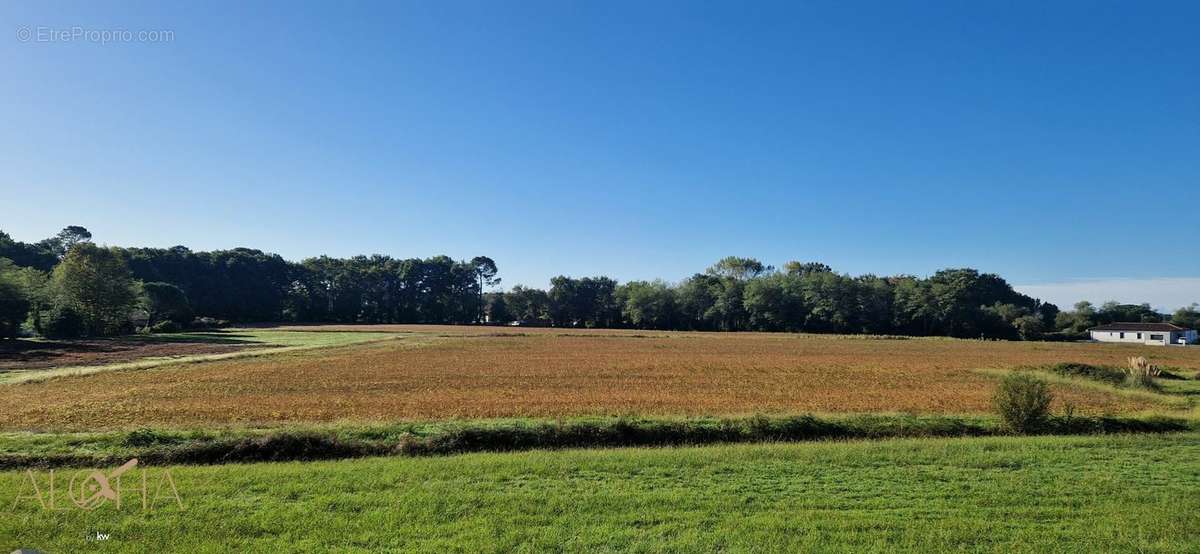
{"points": [[1077, 494]]}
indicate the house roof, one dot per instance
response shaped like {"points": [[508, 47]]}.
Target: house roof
{"points": [[1165, 327]]}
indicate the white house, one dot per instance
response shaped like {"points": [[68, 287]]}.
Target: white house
{"points": [[1143, 333]]}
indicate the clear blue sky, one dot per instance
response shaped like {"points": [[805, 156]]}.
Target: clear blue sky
{"points": [[1048, 142]]}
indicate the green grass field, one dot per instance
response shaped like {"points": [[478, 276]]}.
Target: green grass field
{"points": [[1051, 494]]}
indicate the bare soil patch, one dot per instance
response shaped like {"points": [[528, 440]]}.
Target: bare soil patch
{"points": [[22, 354]]}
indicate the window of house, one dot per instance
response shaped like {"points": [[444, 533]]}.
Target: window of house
{"points": [[1139, 336], [1122, 335], [1156, 337]]}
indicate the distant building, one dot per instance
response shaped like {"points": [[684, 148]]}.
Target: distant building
{"points": [[1143, 333]]}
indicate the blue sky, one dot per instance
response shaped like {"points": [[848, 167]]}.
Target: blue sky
{"points": [[1057, 144]]}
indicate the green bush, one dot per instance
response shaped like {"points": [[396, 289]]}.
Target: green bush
{"points": [[1110, 375], [1141, 374], [62, 322], [149, 437], [1142, 381], [1023, 402]]}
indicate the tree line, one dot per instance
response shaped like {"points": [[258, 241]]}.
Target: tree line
{"points": [[66, 286], [743, 294]]}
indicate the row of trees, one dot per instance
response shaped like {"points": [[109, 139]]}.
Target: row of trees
{"points": [[743, 294], [250, 285], [65, 286], [1085, 315], [738, 294], [92, 290], [88, 293]]}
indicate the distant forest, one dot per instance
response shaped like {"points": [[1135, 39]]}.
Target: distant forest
{"points": [[66, 286]]}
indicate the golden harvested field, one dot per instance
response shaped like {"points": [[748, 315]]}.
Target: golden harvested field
{"points": [[461, 372]]}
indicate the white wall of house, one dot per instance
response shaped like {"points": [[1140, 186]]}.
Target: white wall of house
{"points": [[1134, 337], [1144, 337]]}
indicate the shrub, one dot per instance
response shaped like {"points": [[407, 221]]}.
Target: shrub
{"points": [[1110, 375], [148, 437], [1023, 402], [63, 322], [165, 302], [273, 447], [1029, 327], [1141, 373]]}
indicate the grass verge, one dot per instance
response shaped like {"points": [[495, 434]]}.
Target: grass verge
{"points": [[1029, 494], [172, 447], [1161, 398]]}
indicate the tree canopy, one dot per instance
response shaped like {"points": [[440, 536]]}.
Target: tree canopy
{"points": [[14, 302], [95, 283], [94, 290]]}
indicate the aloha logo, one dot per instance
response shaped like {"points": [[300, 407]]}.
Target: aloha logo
{"points": [[89, 490]]}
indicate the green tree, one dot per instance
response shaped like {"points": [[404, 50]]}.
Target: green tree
{"points": [[586, 302], [1188, 317], [62, 243], [741, 269], [26, 255], [961, 294], [728, 309], [485, 272], [528, 304], [804, 268], [695, 298], [648, 305], [36, 284], [776, 302], [832, 301], [1048, 313], [14, 300], [877, 304], [95, 283], [164, 302], [915, 308], [497, 308], [1029, 327], [1112, 311], [1078, 320]]}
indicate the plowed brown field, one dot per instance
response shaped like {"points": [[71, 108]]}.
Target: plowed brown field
{"points": [[480, 373]]}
